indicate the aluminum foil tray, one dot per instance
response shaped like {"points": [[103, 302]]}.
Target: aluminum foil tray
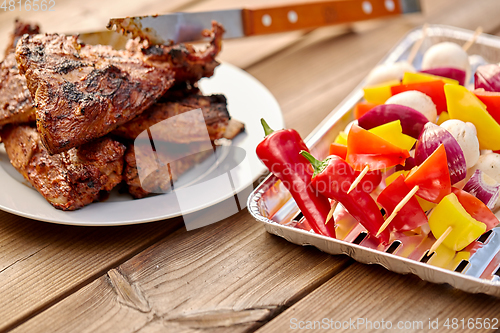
{"points": [[271, 204]]}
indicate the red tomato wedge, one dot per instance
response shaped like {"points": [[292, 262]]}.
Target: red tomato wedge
{"points": [[432, 176], [367, 149], [476, 208], [433, 89], [492, 101]]}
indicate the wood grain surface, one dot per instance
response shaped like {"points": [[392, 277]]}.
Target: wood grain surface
{"points": [[231, 276]]}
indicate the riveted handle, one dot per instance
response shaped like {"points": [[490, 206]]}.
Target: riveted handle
{"points": [[268, 20]]}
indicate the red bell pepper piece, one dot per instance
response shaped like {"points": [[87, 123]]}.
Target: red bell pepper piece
{"points": [[280, 152], [361, 108], [367, 149], [332, 178], [476, 208], [432, 176], [433, 89], [411, 216], [492, 101], [338, 150]]}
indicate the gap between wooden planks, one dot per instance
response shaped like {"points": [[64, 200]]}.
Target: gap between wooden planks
{"points": [[45, 318]]}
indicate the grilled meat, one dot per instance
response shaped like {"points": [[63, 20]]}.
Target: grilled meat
{"points": [[159, 177], [16, 104], [188, 64], [69, 180], [181, 129], [20, 28], [84, 92]]}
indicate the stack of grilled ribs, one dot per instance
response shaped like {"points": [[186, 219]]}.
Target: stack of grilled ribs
{"points": [[70, 113]]}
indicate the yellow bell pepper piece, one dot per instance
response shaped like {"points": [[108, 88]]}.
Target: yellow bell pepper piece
{"points": [[393, 132], [442, 257], [395, 175], [424, 77], [426, 205], [341, 138], [379, 93], [444, 116], [462, 255], [450, 213], [465, 106]]}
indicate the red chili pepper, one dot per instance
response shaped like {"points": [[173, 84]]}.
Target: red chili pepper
{"points": [[332, 178], [411, 216], [280, 152]]}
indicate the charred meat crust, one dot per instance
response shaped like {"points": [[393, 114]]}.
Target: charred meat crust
{"points": [[84, 92], [20, 28], [215, 114], [188, 64], [69, 180]]}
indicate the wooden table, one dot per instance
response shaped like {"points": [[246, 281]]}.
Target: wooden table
{"points": [[231, 276]]}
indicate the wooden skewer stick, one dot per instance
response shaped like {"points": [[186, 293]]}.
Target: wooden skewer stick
{"points": [[440, 240], [330, 213], [418, 43], [400, 206], [471, 42], [358, 179]]}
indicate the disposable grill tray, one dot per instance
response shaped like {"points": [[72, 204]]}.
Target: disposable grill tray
{"points": [[272, 204]]}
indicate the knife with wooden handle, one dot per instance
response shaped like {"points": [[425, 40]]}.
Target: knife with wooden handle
{"points": [[182, 27]]}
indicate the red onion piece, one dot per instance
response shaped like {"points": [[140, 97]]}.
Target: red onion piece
{"points": [[484, 188], [448, 72], [409, 164], [412, 121], [487, 77], [430, 139]]}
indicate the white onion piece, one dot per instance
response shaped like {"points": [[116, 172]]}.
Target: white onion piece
{"points": [[432, 136], [388, 72], [466, 136], [447, 54], [416, 100], [484, 188]]}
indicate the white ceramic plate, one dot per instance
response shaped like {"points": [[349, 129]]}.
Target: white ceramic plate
{"points": [[248, 101]]}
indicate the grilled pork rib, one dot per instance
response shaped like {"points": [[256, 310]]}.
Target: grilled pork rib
{"points": [[183, 130], [69, 180], [16, 104], [188, 64], [160, 177], [84, 92]]}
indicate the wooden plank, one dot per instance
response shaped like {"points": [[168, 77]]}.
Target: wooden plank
{"points": [[316, 74], [227, 277], [43, 262], [59, 253], [227, 274], [365, 295]]}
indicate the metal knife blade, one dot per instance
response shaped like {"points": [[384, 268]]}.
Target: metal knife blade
{"points": [[182, 27]]}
